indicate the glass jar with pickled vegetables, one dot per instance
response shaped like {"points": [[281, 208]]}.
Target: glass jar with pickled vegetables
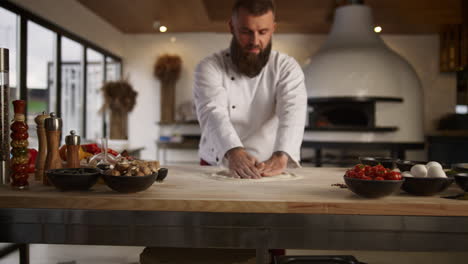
{"points": [[19, 144]]}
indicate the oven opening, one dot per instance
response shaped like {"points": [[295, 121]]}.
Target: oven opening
{"points": [[354, 114], [341, 115]]}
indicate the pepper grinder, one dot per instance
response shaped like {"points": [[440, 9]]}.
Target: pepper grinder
{"points": [[73, 148], [41, 156], [53, 126], [4, 118]]}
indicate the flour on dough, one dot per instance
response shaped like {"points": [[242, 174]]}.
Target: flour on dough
{"points": [[224, 176]]}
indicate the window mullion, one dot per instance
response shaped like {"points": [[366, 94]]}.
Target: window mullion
{"points": [[58, 74], [85, 88]]}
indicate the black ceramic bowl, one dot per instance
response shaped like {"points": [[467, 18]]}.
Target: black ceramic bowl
{"points": [[372, 188], [74, 179], [460, 167], [405, 165], [129, 184], [462, 180], [387, 162], [425, 186], [162, 174]]}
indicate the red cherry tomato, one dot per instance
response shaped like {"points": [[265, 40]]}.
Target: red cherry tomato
{"points": [[361, 174], [358, 167], [393, 176]]}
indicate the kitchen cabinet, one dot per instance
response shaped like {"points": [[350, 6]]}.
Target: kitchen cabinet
{"points": [[448, 149], [453, 48]]}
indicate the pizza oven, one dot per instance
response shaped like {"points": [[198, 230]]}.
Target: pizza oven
{"points": [[359, 90]]}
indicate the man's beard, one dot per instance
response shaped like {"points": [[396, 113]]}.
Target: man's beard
{"points": [[248, 63]]}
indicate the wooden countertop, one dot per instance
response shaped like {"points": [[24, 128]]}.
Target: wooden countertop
{"points": [[185, 189]]}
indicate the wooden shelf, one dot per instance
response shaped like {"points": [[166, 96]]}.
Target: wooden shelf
{"points": [[193, 122], [353, 129]]}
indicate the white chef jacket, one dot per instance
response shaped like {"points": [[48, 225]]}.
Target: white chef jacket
{"points": [[263, 114]]}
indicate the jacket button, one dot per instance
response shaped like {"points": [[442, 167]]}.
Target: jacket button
{"points": [[217, 159], [232, 78], [233, 107]]}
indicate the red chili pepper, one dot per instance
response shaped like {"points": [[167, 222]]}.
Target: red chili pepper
{"points": [[32, 160], [91, 148], [19, 136], [113, 152]]}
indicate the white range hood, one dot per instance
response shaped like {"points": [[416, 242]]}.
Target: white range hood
{"points": [[354, 62]]}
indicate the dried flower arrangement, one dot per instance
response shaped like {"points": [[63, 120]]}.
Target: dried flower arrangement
{"points": [[168, 67], [167, 70], [120, 99]]}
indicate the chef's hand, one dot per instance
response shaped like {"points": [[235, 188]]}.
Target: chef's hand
{"points": [[242, 165], [275, 165]]}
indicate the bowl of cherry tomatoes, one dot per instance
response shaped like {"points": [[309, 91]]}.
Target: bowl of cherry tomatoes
{"points": [[387, 162], [373, 181]]}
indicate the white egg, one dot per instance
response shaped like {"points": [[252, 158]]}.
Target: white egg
{"points": [[419, 170], [436, 172], [406, 174], [433, 163]]}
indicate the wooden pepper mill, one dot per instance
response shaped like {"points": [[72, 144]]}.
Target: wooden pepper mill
{"points": [[73, 148], [53, 126], [42, 152]]}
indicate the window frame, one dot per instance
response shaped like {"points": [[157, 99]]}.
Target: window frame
{"points": [[25, 16]]}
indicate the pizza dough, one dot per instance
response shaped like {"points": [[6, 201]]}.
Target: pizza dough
{"points": [[224, 176]]}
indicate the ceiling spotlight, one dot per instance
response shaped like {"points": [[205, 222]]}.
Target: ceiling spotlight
{"points": [[378, 29], [162, 29]]}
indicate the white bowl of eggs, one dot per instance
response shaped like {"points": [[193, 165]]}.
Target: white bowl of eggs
{"points": [[424, 179]]}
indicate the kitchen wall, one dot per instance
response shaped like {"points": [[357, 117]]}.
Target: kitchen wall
{"points": [[141, 52]]}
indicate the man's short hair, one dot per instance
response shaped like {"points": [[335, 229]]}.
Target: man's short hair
{"points": [[254, 7]]}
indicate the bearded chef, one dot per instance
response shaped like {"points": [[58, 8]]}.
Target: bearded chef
{"points": [[250, 100]]}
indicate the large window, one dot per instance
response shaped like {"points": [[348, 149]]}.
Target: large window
{"points": [[72, 86], [40, 75], [9, 39], [55, 70], [112, 69], [94, 98]]}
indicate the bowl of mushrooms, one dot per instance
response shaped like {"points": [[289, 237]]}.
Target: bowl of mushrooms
{"points": [[131, 176]]}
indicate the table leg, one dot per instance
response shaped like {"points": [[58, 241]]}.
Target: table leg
{"points": [[318, 157], [401, 154], [164, 156], [398, 153], [24, 254], [157, 152], [262, 256]]}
